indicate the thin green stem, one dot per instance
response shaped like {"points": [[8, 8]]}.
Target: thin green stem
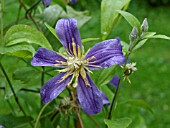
{"points": [[12, 89], [1, 13], [114, 101], [39, 115], [42, 76], [78, 123], [19, 11], [29, 14]]}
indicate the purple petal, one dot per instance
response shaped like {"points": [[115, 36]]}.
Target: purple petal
{"points": [[2, 126], [106, 54], [105, 99], [73, 1], [68, 32], [52, 88], [115, 80], [90, 98], [44, 57], [46, 2]]}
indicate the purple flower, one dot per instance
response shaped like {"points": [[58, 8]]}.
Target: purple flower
{"points": [[2, 126], [47, 2], [76, 65], [115, 80], [73, 1]]}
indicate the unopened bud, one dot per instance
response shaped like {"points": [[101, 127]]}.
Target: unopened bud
{"points": [[144, 26], [134, 34]]}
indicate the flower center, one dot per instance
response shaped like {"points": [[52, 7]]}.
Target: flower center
{"points": [[74, 63]]}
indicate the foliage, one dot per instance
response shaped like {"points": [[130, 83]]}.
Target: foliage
{"points": [[25, 29]]}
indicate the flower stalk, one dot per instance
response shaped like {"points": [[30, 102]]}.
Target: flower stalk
{"points": [[114, 100], [1, 17]]}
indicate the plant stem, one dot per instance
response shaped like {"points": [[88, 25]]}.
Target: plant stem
{"points": [[1, 12], [42, 76], [16, 98], [19, 11], [114, 101], [78, 123], [29, 14], [39, 115]]}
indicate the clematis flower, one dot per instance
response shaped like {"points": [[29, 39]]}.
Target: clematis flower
{"points": [[75, 65], [47, 2]]}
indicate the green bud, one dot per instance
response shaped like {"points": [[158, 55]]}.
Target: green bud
{"points": [[134, 34], [144, 26]]}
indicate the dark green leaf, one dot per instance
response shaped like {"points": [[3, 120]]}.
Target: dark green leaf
{"points": [[140, 103], [109, 15], [118, 123], [48, 123], [131, 19], [26, 74], [10, 121], [25, 34]]}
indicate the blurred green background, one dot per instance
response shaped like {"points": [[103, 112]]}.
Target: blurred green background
{"points": [[152, 80]]}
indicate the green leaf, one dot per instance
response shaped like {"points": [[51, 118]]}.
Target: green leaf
{"points": [[10, 121], [108, 92], [140, 103], [103, 77], [48, 123], [131, 19], [19, 50], [26, 74], [160, 37], [51, 19], [118, 123], [61, 3], [148, 35], [52, 30], [125, 46], [25, 34], [109, 15], [140, 44], [138, 122], [89, 39]]}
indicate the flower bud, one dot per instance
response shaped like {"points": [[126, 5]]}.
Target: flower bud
{"points": [[134, 34], [144, 26]]}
